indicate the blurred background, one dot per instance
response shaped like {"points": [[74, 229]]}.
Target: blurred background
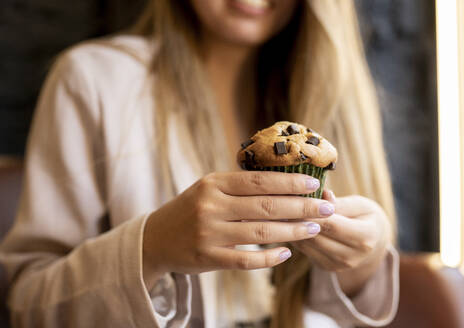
{"points": [[400, 43]]}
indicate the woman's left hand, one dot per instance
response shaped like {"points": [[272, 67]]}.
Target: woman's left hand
{"points": [[352, 241]]}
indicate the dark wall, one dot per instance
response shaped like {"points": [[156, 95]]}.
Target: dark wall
{"points": [[400, 47], [399, 36], [32, 33]]}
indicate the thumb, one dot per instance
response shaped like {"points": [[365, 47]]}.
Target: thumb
{"points": [[329, 196]]}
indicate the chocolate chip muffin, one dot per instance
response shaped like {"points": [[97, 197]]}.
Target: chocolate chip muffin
{"points": [[292, 148]]}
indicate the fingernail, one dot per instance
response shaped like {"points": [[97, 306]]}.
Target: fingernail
{"points": [[313, 228], [326, 209], [285, 255], [312, 184], [332, 195]]}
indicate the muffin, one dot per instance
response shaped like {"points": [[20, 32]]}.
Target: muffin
{"points": [[291, 148]]}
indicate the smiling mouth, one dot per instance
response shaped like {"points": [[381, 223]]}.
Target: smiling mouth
{"points": [[255, 4], [252, 8]]}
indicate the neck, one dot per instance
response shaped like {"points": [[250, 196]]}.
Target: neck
{"points": [[231, 71], [229, 64]]}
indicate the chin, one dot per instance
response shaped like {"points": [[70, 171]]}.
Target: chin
{"points": [[245, 35], [246, 22]]}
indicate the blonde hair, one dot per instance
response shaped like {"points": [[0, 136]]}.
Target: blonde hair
{"points": [[324, 84]]}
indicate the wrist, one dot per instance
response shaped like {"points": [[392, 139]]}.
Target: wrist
{"points": [[353, 280]]}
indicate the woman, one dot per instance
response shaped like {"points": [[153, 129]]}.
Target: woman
{"points": [[125, 134]]}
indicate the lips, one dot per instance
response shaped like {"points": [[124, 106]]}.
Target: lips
{"points": [[252, 8], [256, 4]]}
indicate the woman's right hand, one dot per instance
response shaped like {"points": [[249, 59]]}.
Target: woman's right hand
{"points": [[198, 230]]}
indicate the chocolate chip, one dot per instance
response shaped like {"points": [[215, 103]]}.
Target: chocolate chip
{"points": [[249, 157], [285, 133], [313, 141], [303, 156], [331, 166], [249, 162], [293, 129], [309, 130], [280, 148], [247, 143]]}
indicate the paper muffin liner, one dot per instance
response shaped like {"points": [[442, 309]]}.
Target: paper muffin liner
{"points": [[305, 168]]}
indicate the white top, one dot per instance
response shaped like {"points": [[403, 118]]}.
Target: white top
{"points": [[90, 154]]}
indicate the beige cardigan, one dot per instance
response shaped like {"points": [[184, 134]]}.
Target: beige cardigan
{"points": [[90, 157]]}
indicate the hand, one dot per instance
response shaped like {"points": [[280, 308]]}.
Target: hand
{"points": [[197, 231], [355, 237]]}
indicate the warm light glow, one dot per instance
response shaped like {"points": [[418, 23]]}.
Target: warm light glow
{"points": [[461, 97], [449, 121]]}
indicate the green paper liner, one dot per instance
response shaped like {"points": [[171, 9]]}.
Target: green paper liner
{"points": [[305, 168]]}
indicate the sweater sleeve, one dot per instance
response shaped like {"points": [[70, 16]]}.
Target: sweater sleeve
{"points": [[375, 305], [63, 272]]}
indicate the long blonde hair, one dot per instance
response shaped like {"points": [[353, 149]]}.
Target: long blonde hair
{"points": [[324, 83]]}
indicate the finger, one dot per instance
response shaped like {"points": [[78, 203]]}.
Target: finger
{"points": [[344, 256], [316, 256], [266, 183], [278, 207], [329, 196], [227, 258], [243, 233], [354, 206], [353, 233]]}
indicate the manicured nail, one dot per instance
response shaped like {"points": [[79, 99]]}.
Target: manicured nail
{"points": [[312, 184], [313, 228], [285, 255], [332, 196], [326, 209]]}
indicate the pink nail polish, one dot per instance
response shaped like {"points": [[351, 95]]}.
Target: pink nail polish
{"points": [[285, 255], [332, 195], [326, 209], [313, 228], [312, 184]]}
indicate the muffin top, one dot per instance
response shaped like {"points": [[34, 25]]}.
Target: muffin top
{"points": [[284, 144]]}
